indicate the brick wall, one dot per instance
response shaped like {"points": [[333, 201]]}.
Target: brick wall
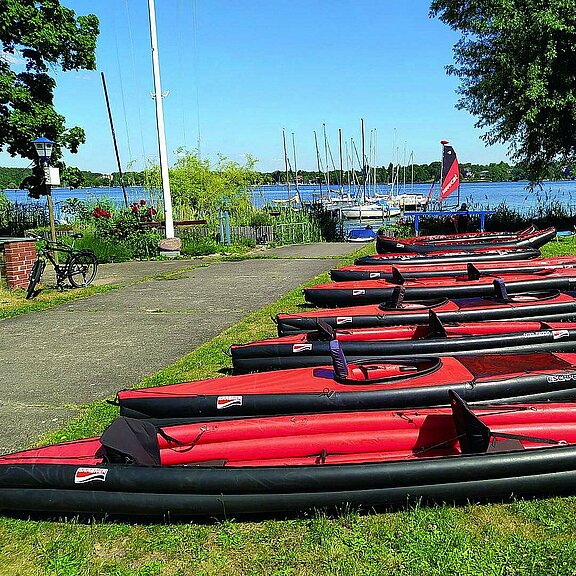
{"points": [[19, 258], [2, 266]]}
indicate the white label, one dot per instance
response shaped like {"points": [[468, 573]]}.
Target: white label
{"points": [[358, 292], [374, 274], [223, 402], [344, 320], [84, 475], [301, 347], [557, 334]]}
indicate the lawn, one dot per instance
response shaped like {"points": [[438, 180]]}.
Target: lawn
{"points": [[518, 538]]}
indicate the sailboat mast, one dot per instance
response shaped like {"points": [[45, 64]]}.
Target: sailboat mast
{"points": [[318, 161], [364, 167], [286, 163], [326, 156], [163, 154], [295, 167], [341, 161]]}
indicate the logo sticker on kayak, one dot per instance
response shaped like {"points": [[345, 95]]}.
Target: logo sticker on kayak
{"points": [[557, 334], [374, 274], [223, 402], [561, 378], [84, 475], [358, 292], [301, 347], [343, 320]]}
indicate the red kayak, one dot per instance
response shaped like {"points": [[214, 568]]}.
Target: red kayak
{"points": [[385, 244], [548, 306], [374, 384], [386, 271], [303, 461], [471, 236], [435, 339], [376, 291], [449, 256]]}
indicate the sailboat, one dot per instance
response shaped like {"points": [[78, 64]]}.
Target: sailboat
{"points": [[450, 181], [367, 207]]}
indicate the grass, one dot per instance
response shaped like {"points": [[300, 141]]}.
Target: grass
{"points": [[563, 247], [13, 302], [519, 538]]}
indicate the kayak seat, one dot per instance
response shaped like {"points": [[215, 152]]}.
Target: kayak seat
{"points": [[378, 371]]}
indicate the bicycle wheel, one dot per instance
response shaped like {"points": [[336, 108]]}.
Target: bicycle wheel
{"points": [[82, 269], [35, 276]]}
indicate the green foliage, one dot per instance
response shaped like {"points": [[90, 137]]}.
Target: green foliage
{"points": [[44, 35], [72, 177], [128, 227], [202, 190], [517, 69]]}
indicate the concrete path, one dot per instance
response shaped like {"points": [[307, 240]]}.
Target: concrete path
{"points": [[54, 361]]}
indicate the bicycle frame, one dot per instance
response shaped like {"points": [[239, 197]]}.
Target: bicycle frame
{"points": [[50, 251]]}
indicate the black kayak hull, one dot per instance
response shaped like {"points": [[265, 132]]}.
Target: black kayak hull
{"points": [[258, 357], [385, 244], [344, 294], [449, 257], [347, 274], [190, 491], [546, 307]]}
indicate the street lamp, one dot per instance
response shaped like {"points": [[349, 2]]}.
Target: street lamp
{"points": [[44, 147]]}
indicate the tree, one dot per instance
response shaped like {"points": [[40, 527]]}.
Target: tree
{"points": [[39, 34], [517, 68]]}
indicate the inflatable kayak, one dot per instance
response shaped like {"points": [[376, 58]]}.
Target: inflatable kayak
{"points": [[449, 256], [372, 384], [280, 464], [471, 236], [434, 339], [385, 244], [376, 291], [386, 271], [549, 306]]}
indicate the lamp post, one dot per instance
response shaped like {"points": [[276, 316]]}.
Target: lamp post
{"points": [[44, 148]]}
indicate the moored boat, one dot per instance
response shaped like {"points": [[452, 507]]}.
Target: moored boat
{"points": [[278, 464], [535, 239], [549, 306], [372, 384], [386, 271], [449, 256], [434, 339], [376, 291]]}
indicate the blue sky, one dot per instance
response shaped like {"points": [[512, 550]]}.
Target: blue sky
{"points": [[238, 72]]}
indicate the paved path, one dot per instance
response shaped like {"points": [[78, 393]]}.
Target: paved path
{"points": [[55, 360]]}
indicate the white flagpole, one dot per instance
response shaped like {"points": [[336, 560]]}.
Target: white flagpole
{"points": [[160, 123]]}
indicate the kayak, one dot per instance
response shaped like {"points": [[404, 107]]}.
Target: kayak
{"points": [[449, 256], [366, 385], [434, 339], [294, 463], [549, 306], [385, 244], [471, 236], [376, 291], [386, 271]]}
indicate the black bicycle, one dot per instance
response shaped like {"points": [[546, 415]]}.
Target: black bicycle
{"points": [[77, 266]]}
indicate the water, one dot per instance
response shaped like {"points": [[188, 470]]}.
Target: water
{"points": [[479, 195]]}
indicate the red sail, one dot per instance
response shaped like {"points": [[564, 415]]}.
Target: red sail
{"points": [[450, 172]]}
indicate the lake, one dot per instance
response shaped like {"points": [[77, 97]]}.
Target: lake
{"points": [[479, 195]]}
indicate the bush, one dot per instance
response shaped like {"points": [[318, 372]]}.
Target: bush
{"points": [[193, 245]]}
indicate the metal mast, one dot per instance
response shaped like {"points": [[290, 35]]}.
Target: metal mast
{"points": [[160, 124]]}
